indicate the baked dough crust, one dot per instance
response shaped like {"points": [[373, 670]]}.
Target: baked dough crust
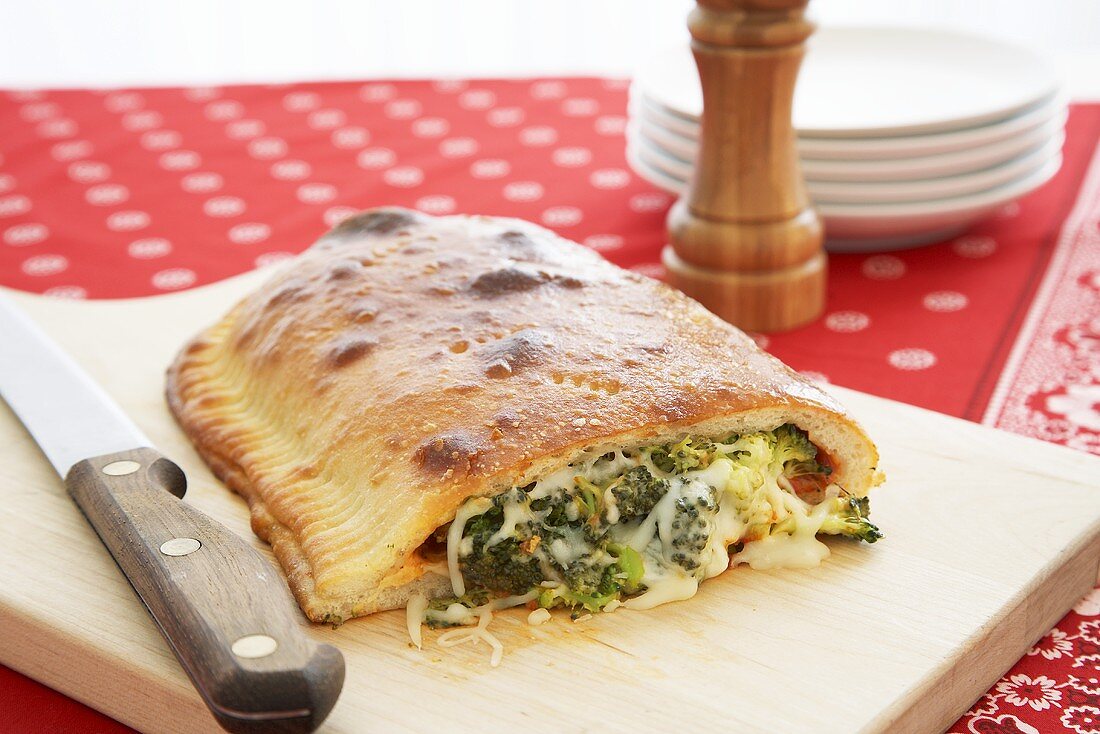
{"points": [[405, 363]]}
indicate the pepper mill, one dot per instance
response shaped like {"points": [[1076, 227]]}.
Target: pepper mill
{"points": [[744, 240]]}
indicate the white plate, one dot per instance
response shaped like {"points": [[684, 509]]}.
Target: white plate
{"points": [[884, 227], [1050, 112], [865, 81], [953, 163], [946, 187], [870, 192]]}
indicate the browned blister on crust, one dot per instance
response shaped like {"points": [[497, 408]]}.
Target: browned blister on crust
{"points": [[405, 363]]}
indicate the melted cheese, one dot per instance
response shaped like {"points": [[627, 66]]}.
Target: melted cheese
{"points": [[454, 539], [753, 498], [800, 549], [663, 589], [414, 617]]}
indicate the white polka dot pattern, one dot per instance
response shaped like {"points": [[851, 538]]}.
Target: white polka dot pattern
{"points": [[649, 202], [376, 158], [572, 157], [158, 140], [458, 147], [71, 292], [604, 242], [224, 206], [249, 233], [89, 172], [550, 89], [883, 267], [523, 191], [149, 248], [562, 216], [316, 193], [16, 204], [29, 233], [336, 214], [107, 194], [180, 160], [405, 177], [476, 99], [846, 322], [377, 92], [173, 279], [245, 129], [142, 121], [437, 204], [490, 168], [272, 258], [71, 150], [350, 137], [974, 246], [44, 265], [538, 136], [945, 301], [267, 148], [128, 221], [610, 178], [430, 127], [911, 359], [580, 107], [291, 170], [403, 109], [301, 101], [505, 116], [204, 182]]}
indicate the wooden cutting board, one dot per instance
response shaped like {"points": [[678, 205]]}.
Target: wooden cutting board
{"points": [[990, 538]]}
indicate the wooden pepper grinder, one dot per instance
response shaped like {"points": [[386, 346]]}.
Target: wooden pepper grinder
{"points": [[744, 240]]}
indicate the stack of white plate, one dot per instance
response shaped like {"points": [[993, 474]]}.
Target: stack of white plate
{"points": [[906, 136]]}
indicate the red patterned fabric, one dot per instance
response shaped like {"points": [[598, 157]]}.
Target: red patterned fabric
{"points": [[134, 192]]}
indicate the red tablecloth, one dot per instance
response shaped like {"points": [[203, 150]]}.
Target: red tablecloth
{"points": [[134, 192]]}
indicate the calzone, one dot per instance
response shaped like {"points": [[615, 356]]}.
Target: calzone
{"points": [[471, 411]]}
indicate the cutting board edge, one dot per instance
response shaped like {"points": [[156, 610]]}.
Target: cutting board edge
{"points": [[1056, 589], [40, 652]]}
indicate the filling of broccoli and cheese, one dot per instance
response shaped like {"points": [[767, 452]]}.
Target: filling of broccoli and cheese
{"points": [[643, 527]]}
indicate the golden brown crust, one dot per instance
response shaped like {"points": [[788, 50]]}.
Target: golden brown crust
{"points": [[405, 363]]}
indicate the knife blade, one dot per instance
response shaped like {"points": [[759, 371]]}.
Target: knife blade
{"points": [[222, 607]]}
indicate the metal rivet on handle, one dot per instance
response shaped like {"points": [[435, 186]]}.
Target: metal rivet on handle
{"points": [[179, 546], [254, 646], [121, 468]]}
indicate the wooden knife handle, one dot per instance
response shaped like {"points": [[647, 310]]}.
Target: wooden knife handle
{"points": [[225, 611]]}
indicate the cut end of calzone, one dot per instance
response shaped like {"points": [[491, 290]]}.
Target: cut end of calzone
{"points": [[473, 412]]}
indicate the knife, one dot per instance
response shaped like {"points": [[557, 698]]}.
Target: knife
{"points": [[222, 607]]}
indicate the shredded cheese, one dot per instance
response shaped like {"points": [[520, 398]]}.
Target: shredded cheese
{"points": [[454, 540], [414, 617], [539, 616]]}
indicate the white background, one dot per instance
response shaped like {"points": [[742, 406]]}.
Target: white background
{"points": [[149, 42]]}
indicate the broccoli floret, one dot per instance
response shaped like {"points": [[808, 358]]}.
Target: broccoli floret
{"points": [[638, 493], [795, 451], [592, 586], [850, 518], [555, 509], [691, 453], [693, 524], [503, 567], [584, 578]]}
